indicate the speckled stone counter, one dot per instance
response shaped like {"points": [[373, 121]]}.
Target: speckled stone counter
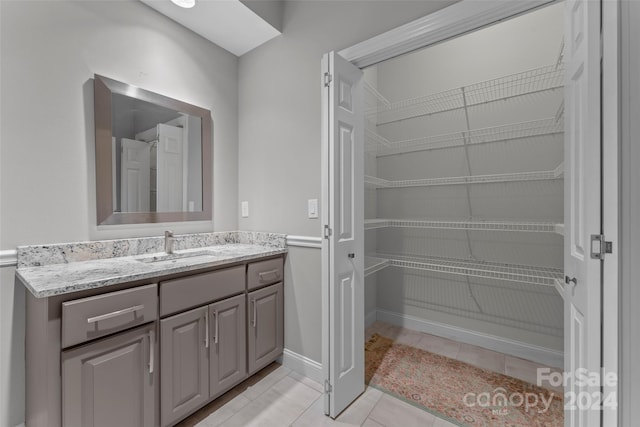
{"points": [[57, 269]]}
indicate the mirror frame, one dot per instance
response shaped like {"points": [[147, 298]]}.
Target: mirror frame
{"points": [[104, 88]]}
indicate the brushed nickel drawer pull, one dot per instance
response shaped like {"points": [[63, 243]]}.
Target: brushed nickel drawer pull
{"points": [[215, 336], [206, 329], [275, 272], [115, 314], [254, 321]]}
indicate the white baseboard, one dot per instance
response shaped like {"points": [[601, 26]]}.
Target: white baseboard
{"points": [[302, 365], [520, 349], [370, 318]]}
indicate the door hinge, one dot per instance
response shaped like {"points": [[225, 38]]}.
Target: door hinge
{"points": [[327, 386], [327, 232], [600, 247], [327, 79]]}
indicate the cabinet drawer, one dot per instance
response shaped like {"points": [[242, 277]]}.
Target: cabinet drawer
{"points": [[187, 292], [88, 318], [263, 273]]}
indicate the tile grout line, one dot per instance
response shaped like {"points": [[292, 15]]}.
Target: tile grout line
{"points": [[371, 410], [306, 409]]}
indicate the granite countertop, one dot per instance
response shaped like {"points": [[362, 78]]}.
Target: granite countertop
{"points": [[58, 269]]}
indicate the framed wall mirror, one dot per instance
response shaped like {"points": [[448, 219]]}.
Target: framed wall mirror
{"points": [[153, 156]]}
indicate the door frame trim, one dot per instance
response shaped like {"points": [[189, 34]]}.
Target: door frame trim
{"points": [[452, 21], [611, 179], [470, 15]]}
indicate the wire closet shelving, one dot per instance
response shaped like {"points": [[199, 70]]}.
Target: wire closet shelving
{"points": [[515, 226], [535, 275], [538, 80], [381, 146], [556, 173]]}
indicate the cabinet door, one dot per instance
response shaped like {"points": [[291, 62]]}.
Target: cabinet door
{"points": [[185, 367], [228, 348], [266, 327], [112, 381]]}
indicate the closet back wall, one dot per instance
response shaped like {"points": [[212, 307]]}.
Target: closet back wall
{"points": [[50, 51], [528, 313]]}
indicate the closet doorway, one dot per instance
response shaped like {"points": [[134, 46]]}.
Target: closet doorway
{"points": [[464, 220]]}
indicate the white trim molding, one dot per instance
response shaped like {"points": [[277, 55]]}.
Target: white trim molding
{"points": [[452, 21], [8, 258], [305, 241], [520, 349], [302, 365]]}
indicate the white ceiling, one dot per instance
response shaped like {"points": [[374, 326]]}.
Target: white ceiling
{"points": [[227, 23]]}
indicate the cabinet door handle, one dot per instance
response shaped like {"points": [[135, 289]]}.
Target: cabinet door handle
{"points": [[152, 340], [115, 313], [215, 336], [273, 272], [254, 321], [206, 329]]}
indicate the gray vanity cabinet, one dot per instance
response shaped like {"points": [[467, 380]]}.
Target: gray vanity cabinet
{"points": [[146, 355], [185, 365], [266, 326], [227, 348], [111, 381]]}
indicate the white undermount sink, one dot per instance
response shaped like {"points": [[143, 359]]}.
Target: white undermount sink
{"points": [[174, 256]]}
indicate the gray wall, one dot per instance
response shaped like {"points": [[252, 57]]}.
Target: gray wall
{"points": [[50, 51], [532, 314], [279, 134]]}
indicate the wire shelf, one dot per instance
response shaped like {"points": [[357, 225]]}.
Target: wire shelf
{"points": [[380, 99], [511, 132], [527, 227], [543, 276], [557, 173], [541, 79], [560, 287], [372, 264]]}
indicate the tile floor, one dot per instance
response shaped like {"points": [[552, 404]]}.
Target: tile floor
{"points": [[277, 396]]}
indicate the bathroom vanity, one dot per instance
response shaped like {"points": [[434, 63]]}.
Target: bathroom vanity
{"points": [[120, 333]]}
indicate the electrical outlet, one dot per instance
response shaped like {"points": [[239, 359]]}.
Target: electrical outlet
{"points": [[245, 209]]}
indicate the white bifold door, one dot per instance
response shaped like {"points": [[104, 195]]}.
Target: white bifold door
{"points": [[170, 173], [582, 211], [343, 246], [136, 161]]}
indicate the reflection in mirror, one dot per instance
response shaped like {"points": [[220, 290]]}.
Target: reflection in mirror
{"points": [[157, 158], [157, 147]]}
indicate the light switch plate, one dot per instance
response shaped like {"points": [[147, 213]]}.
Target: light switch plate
{"points": [[313, 208], [245, 209]]}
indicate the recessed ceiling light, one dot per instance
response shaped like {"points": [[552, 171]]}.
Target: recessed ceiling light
{"points": [[187, 4]]}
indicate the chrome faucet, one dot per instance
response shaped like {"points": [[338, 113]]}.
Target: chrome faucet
{"points": [[168, 242]]}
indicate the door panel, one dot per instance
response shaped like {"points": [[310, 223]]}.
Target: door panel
{"points": [[343, 124], [227, 354], [346, 156], [347, 325], [185, 367], [170, 174], [266, 327], [582, 208], [136, 176], [111, 381]]}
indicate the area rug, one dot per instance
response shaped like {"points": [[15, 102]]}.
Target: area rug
{"points": [[454, 390]]}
